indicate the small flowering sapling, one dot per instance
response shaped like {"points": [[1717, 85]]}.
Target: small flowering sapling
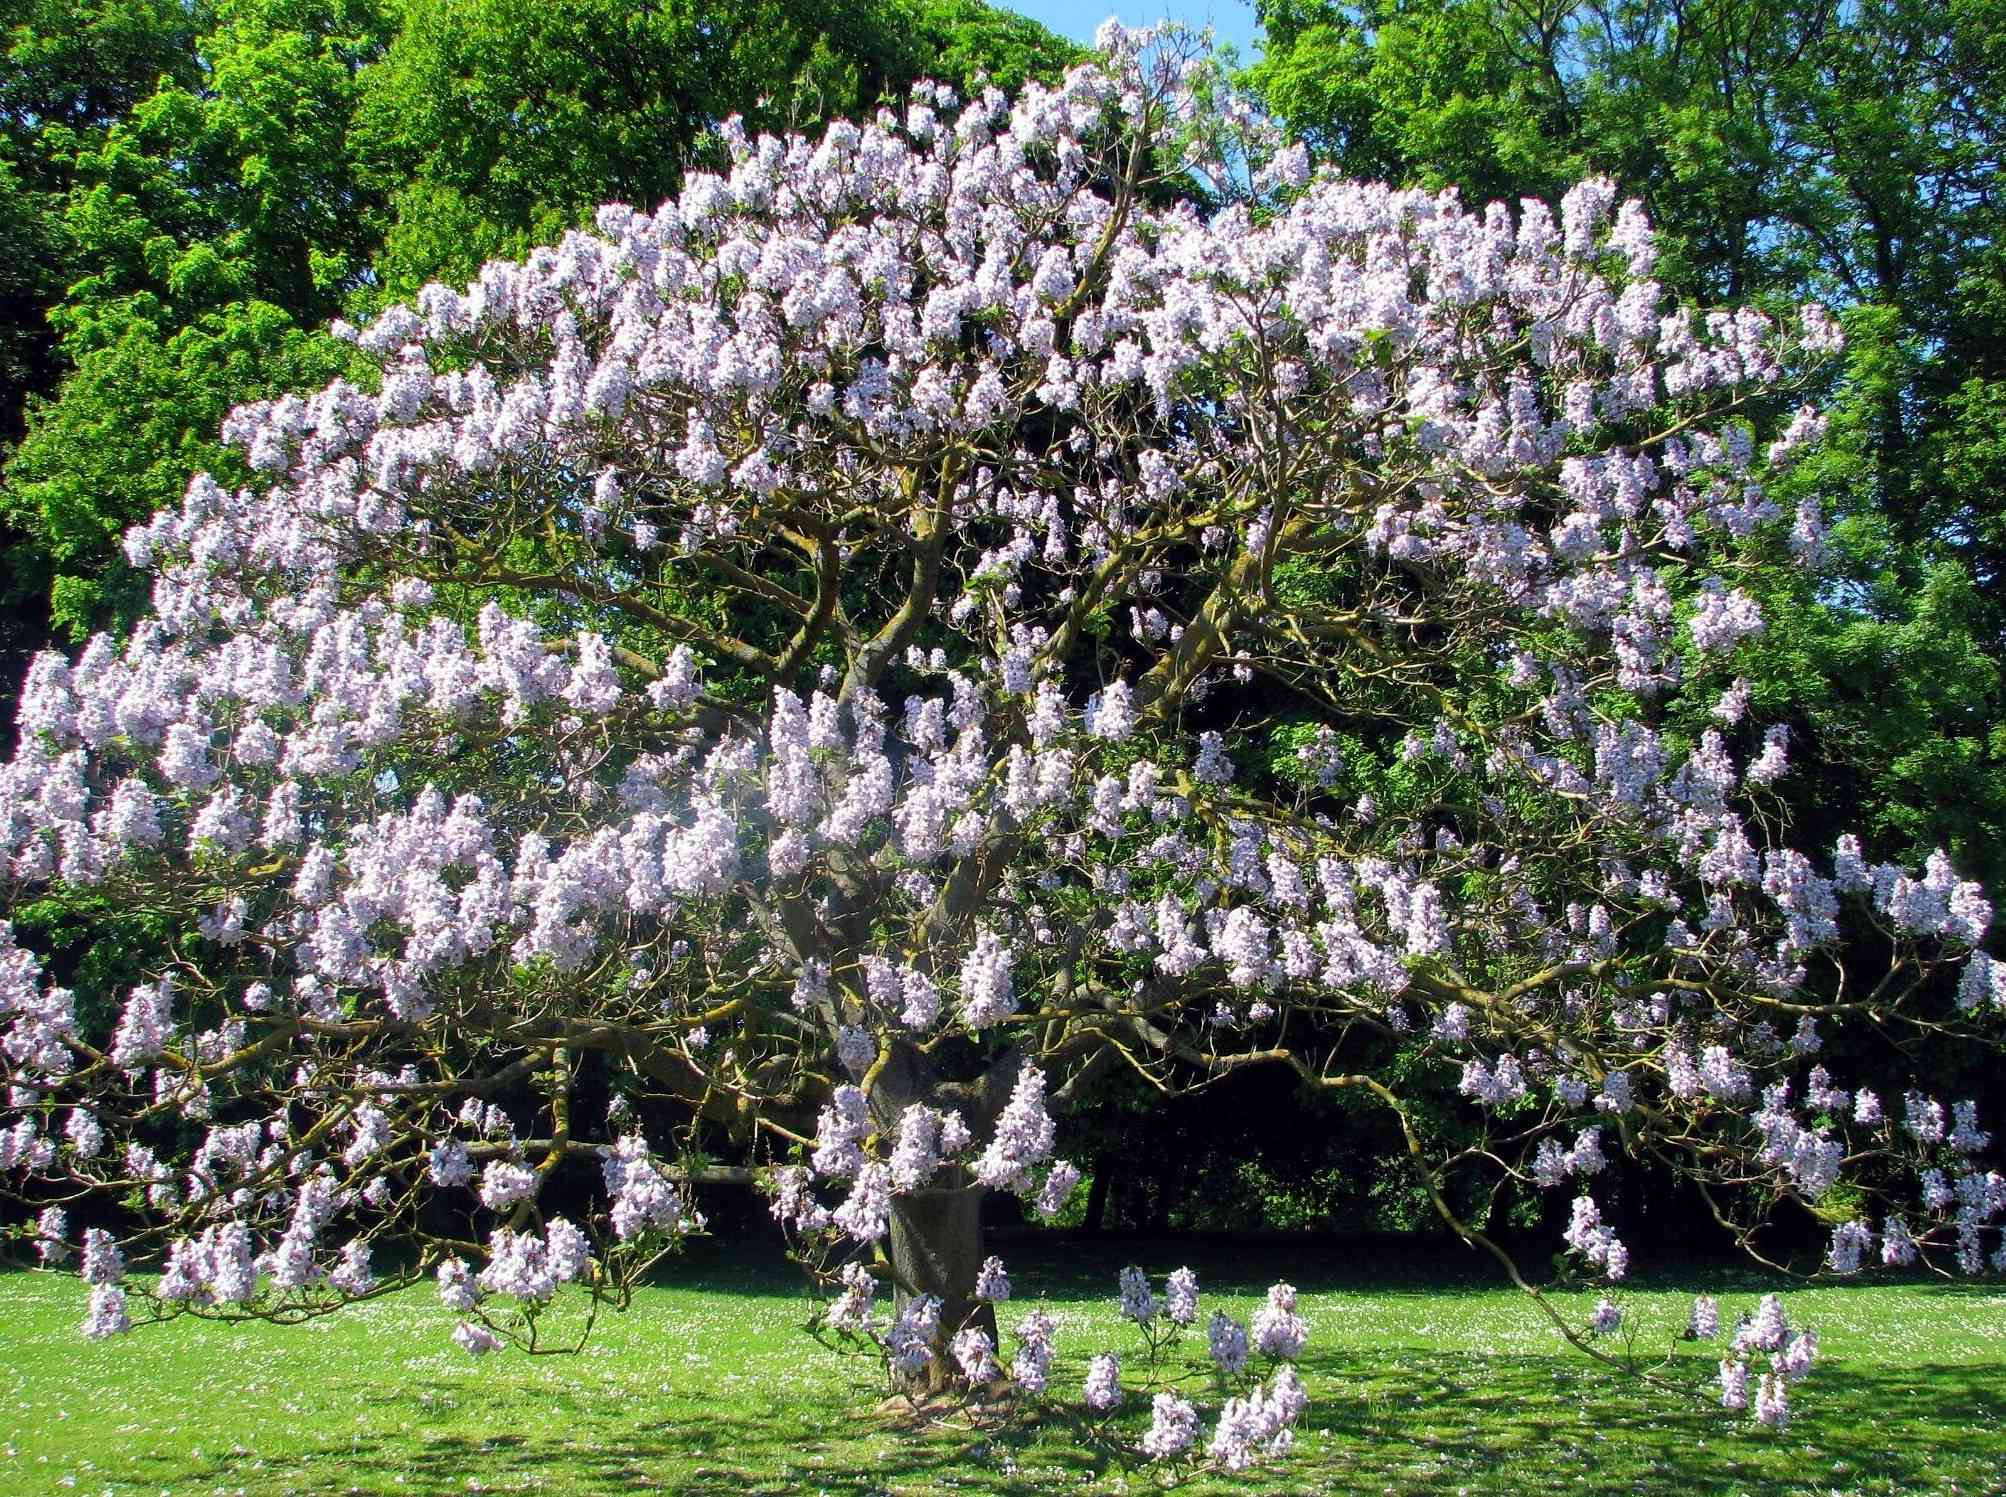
{"points": [[681, 655], [1163, 1319], [1762, 1360], [1764, 1355], [1255, 1420]]}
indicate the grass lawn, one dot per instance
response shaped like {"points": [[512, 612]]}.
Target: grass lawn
{"points": [[1422, 1379]]}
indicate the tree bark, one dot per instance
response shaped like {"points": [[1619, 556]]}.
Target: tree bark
{"points": [[937, 1249], [1096, 1218]]}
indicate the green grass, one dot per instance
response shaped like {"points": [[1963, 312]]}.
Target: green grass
{"points": [[1422, 1379]]}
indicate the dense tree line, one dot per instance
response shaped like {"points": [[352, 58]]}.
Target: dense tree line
{"points": [[1787, 149], [192, 192]]}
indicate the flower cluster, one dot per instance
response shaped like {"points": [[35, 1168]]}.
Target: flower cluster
{"points": [[1595, 1242], [1790, 1357]]}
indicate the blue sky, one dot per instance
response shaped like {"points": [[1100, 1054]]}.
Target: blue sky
{"points": [[1232, 19]]}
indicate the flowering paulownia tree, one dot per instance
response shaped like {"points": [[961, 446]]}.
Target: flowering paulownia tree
{"points": [[815, 654]]}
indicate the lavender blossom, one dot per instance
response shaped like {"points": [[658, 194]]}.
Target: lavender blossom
{"points": [[1227, 1343], [991, 1283], [1173, 1428], [1278, 1330], [1102, 1391]]}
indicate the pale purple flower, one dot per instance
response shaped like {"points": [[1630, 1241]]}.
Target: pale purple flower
{"points": [[1057, 1189], [917, 1154], [1227, 1342], [866, 1214], [1772, 1401], [503, 1183], [449, 1164], [851, 1310], [1138, 1301], [992, 1283], [856, 1048], [1278, 1331], [1261, 1425], [1023, 1139], [102, 1262], [1897, 1245], [1173, 1427], [1850, 1240], [476, 1340], [1212, 766], [456, 1286], [107, 1315], [85, 1133], [910, 1339], [987, 995], [352, 1275], [1733, 1384], [1032, 1366], [1102, 1390], [566, 1249], [51, 1228]]}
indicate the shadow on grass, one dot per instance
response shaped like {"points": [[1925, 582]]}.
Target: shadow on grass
{"points": [[1529, 1423], [1408, 1421], [1078, 1266], [1069, 1265]]}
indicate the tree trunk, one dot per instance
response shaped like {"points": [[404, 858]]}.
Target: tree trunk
{"points": [[937, 1250], [1096, 1217]]}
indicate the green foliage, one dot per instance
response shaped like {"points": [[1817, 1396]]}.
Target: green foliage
{"points": [[968, 41], [82, 63], [67, 73], [492, 127], [189, 194], [31, 260], [1438, 92], [214, 218], [1786, 150]]}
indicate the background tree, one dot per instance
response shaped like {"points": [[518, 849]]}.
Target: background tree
{"points": [[70, 72], [213, 224], [1784, 150], [210, 185], [66, 73]]}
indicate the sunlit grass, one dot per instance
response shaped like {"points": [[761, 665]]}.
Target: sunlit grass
{"points": [[1423, 1379]]}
